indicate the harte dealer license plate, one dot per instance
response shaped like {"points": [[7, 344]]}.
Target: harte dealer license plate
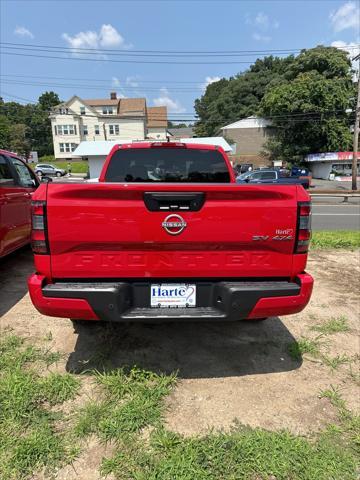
{"points": [[166, 295]]}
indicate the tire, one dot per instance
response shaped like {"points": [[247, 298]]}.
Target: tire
{"points": [[58, 174], [39, 174]]}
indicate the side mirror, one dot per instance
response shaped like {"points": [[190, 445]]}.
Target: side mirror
{"points": [[247, 180], [46, 179]]}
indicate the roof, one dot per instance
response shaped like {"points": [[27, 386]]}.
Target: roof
{"points": [[249, 122], [220, 141], [157, 117], [103, 147], [96, 148], [183, 131], [99, 102], [132, 106]]}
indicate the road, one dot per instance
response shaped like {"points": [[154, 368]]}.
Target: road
{"points": [[335, 216]]}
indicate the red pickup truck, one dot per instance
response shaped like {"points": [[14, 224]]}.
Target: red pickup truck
{"points": [[17, 183], [167, 234]]}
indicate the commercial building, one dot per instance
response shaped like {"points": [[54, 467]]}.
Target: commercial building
{"points": [[322, 165], [248, 137]]}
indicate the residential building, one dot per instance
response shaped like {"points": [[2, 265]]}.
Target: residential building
{"points": [[104, 119], [182, 132], [249, 136]]}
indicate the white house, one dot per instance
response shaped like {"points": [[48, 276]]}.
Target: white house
{"points": [[104, 119]]}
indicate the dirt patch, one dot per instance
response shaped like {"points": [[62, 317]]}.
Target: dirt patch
{"points": [[227, 371]]}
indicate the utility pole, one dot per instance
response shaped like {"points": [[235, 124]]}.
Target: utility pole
{"points": [[356, 132]]}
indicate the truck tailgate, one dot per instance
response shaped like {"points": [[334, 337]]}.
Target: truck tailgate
{"points": [[106, 230]]}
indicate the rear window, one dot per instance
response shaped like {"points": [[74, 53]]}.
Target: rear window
{"points": [[167, 165]]}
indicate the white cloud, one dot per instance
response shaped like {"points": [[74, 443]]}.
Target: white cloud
{"points": [[133, 81], [261, 38], [174, 106], [107, 36], [353, 50], [110, 37], [346, 16], [115, 82], [23, 32], [208, 81], [262, 20]]}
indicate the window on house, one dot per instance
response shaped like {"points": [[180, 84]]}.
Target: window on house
{"points": [[63, 111], [114, 129], [82, 110], [67, 147], [65, 129], [97, 129], [107, 110], [55, 130], [85, 130]]}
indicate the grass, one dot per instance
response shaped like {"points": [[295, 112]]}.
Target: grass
{"points": [[305, 345], [243, 453], [28, 437], [333, 325], [127, 410], [336, 239], [80, 166], [131, 401]]}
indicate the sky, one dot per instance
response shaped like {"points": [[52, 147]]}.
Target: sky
{"points": [[127, 29]]}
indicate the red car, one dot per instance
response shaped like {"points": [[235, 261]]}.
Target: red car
{"points": [[17, 183], [167, 234]]}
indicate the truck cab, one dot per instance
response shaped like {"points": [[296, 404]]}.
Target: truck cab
{"points": [[17, 184]]}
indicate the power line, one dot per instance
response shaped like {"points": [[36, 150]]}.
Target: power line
{"points": [[167, 62], [163, 52], [199, 82]]}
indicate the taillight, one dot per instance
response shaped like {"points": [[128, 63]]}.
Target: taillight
{"points": [[39, 240], [303, 235]]}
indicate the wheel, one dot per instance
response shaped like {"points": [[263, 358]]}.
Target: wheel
{"points": [[58, 174], [39, 174]]}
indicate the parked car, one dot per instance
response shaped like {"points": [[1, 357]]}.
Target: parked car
{"points": [[48, 169], [271, 176], [167, 235], [17, 183]]}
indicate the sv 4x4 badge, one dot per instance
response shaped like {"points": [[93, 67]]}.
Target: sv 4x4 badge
{"points": [[281, 235]]}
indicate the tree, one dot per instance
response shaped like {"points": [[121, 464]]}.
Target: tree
{"points": [[308, 105], [227, 101], [19, 142], [48, 100], [35, 117], [4, 132]]}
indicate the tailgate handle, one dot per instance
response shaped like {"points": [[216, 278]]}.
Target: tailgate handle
{"points": [[187, 201]]}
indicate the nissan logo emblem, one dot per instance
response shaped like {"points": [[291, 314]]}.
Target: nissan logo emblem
{"points": [[174, 224]]}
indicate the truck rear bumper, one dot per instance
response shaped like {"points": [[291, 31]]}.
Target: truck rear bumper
{"points": [[129, 301]]}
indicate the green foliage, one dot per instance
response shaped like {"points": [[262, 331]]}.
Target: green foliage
{"points": [[4, 132], [333, 325], [308, 105], [305, 345], [336, 239], [226, 101], [35, 130], [243, 453], [28, 438], [132, 400]]}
